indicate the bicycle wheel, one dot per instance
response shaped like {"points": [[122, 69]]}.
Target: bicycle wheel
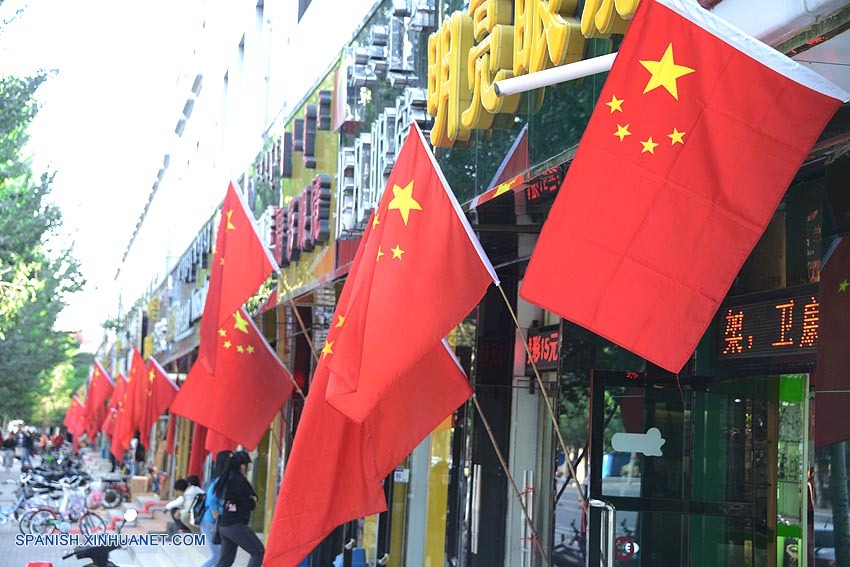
{"points": [[91, 523], [26, 516], [43, 522]]}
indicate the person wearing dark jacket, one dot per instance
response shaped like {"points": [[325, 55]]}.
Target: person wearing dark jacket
{"points": [[238, 500]]}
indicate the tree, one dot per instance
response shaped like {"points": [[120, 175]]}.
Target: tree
{"points": [[35, 276]]}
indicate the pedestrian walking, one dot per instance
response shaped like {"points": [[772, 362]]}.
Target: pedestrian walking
{"points": [[213, 510], [238, 500]]}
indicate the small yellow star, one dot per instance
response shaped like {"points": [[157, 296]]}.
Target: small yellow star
{"points": [[151, 376], [250, 349], [622, 131], [649, 146], [665, 72], [230, 225], [380, 253], [842, 287], [676, 137], [375, 221], [240, 349], [221, 261], [239, 323], [222, 333], [328, 348], [227, 344], [340, 321], [403, 201], [397, 251], [615, 104]]}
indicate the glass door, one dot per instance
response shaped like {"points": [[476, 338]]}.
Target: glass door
{"points": [[684, 465]]}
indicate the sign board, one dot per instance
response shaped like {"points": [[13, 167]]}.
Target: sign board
{"points": [[780, 324]]}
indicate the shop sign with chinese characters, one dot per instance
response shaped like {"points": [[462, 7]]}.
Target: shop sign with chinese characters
{"points": [[774, 325], [494, 40], [543, 345]]}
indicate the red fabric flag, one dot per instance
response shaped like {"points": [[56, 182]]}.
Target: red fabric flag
{"points": [[421, 253], [75, 417], [169, 435], [100, 389], [247, 389], [832, 379], [698, 132], [115, 401], [134, 400], [241, 263], [216, 442], [197, 453], [161, 391], [349, 460]]}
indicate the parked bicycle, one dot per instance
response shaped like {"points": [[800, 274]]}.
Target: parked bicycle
{"points": [[28, 496], [72, 508]]}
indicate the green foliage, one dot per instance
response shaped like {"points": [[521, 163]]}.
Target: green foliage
{"points": [[35, 278]]}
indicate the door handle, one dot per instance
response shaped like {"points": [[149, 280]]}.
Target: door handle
{"points": [[611, 515]]}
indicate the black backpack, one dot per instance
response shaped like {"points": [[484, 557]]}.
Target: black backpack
{"points": [[199, 508]]}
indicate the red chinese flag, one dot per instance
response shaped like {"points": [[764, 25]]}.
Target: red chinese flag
{"points": [[115, 401], [216, 442], [134, 400], [832, 378], [100, 389], [421, 265], [241, 263], [161, 391], [336, 468], [698, 132], [197, 453], [75, 417], [247, 389]]}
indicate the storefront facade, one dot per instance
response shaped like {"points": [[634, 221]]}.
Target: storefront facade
{"points": [[731, 485]]}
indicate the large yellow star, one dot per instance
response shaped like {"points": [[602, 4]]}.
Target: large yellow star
{"points": [[328, 348], [615, 104], [380, 253], [842, 287], [676, 137], [340, 321], [239, 323], [403, 201], [649, 146], [665, 72], [397, 251], [622, 131]]}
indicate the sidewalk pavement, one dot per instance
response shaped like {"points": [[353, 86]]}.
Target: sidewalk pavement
{"points": [[166, 552]]}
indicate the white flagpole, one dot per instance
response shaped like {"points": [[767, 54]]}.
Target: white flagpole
{"points": [[560, 74]]}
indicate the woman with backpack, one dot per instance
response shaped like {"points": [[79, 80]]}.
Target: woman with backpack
{"points": [[238, 500], [213, 509]]}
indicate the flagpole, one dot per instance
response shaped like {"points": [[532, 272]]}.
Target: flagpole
{"points": [[517, 493], [551, 411], [554, 75]]}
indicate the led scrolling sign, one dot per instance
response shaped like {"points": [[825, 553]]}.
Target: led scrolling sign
{"points": [[766, 326]]}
